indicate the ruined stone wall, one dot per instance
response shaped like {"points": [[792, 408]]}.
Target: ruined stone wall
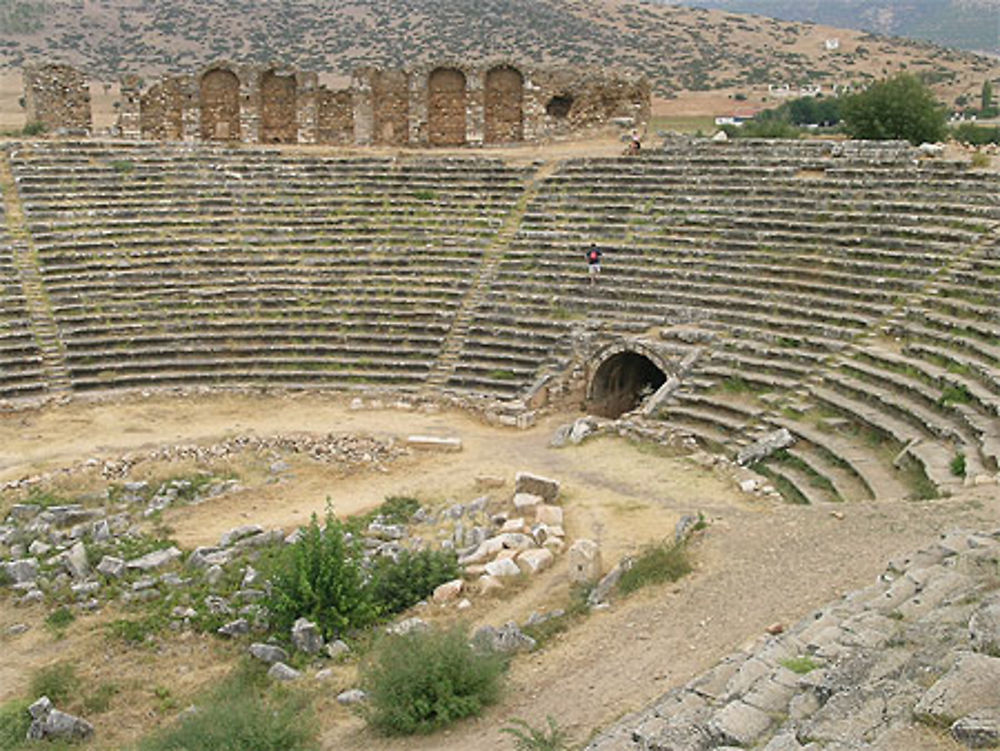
{"points": [[565, 100], [162, 109], [335, 117], [278, 108], [57, 96], [443, 104], [390, 107]]}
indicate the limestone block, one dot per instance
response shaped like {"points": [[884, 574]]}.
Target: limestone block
{"points": [[535, 560], [970, 686], [549, 514], [268, 653], [306, 636], [739, 724], [584, 562], [279, 671], [448, 591], [238, 533], [513, 525], [489, 584], [351, 696], [76, 561], [984, 629], [111, 566], [433, 443], [525, 482], [503, 567], [486, 549], [526, 502], [23, 570], [515, 541], [154, 560], [978, 730]]}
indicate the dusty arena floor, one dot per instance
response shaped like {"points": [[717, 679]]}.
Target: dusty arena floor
{"points": [[759, 562]]}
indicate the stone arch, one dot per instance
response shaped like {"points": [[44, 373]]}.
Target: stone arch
{"points": [[504, 109], [220, 105], [446, 107], [278, 116], [622, 376]]}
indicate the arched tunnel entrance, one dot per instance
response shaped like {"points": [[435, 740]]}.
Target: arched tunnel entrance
{"points": [[621, 382]]}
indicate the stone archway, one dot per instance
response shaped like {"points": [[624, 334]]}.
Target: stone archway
{"points": [[446, 107], [622, 378], [220, 105], [278, 117], [504, 110]]}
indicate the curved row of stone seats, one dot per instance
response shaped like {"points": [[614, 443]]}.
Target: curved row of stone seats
{"points": [[785, 287], [264, 267], [21, 368]]}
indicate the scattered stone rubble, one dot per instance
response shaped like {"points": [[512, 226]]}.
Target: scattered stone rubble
{"points": [[916, 647], [48, 723], [332, 448]]}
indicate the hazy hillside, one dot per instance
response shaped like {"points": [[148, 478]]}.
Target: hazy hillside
{"points": [[966, 24], [678, 47]]}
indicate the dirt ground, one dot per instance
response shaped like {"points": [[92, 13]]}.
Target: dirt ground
{"points": [[759, 562]]}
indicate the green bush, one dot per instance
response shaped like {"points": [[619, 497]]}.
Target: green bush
{"points": [[957, 465], [528, 738], [59, 619], [244, 713], [800, 665], [33, 129], [59, 682], [320, 578], [656, 563], [422, 681], [402, 583], [398, 509]]}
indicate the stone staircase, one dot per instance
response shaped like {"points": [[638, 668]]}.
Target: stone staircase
{"points": [[25, 261], [454, 343]]}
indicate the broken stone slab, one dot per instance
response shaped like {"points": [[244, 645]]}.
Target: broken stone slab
{"points": [[433, 443], [239, 627], [75, 560], [206, 557], [527, 502], [48, 723], [306, 636], [526, 482], [448, 591], [337, 648], [764, 447], [984, 629], [351, 696], [508, 638], [268, 653], [606, 585], [534, 561], [279, 671], [156, 559], [111, 567], [502, 567], [980, 729], [22, 571], [970, 686], [238, 533]]}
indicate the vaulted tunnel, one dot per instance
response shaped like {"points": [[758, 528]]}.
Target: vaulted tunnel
{"points": [[621, 382]]}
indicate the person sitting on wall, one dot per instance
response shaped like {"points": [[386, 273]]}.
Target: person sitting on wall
{"points": [[635, 144]]}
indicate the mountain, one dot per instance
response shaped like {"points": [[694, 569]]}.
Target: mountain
{"points": [[963, 24], [679, 48]]}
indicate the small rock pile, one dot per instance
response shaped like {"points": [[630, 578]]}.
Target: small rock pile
{"points": [[921, 645], [332, 448]]}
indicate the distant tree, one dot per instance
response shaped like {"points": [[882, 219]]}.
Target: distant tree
{"points": [[987, 109], [898, 107]]}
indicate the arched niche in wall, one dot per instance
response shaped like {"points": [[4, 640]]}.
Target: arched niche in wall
{"points": [[504, 105], [446, 107], [220, 105]]}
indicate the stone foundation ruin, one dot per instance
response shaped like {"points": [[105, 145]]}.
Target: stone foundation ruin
{"points": [[441, 104]]}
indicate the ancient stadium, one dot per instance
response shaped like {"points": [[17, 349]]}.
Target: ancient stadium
{"points": [[794, 343]]}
